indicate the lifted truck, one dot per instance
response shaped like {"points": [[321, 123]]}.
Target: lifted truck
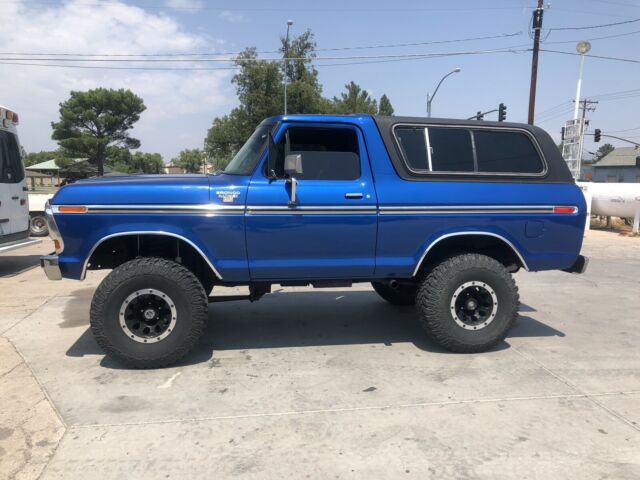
{"points": [[433, 212]]}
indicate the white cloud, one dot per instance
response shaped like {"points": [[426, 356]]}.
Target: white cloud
{"points": [[231, 17], [186, 4], [180, 104]]}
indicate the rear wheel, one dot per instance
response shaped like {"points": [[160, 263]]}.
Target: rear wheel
{"points": [[148, 313], [38, 225], [468, 303], [397, 295]]}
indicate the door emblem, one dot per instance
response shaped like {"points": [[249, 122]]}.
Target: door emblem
{"points": [[227, 196]]}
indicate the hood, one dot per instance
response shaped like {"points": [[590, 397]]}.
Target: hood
{"points": [[136, 190]]}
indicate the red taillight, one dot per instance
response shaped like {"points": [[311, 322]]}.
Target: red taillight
{"points": [[565, 209], [23, 202]]}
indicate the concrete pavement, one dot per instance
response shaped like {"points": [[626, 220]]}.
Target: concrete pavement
{"points": [[333, 384]]}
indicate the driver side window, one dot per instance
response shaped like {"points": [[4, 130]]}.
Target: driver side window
{"points": [[327, 153]]}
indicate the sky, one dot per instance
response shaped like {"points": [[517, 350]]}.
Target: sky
{"points": [[181, 104]]}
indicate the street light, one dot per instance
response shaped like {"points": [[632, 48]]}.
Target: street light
{"points": [[286, 63], [430, 98], [581, 48]]}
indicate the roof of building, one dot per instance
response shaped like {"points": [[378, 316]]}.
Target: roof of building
{"points": [[32, 174], [50, 165], [620, 157]]}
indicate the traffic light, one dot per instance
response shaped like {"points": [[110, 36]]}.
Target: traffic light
{"points": [[502, 112], [596, 135], [479, 116], [562, 134]]}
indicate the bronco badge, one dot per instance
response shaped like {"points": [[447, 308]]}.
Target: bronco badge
{"points": [[227, 196]]}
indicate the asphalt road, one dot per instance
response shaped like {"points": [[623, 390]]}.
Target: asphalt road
{"points": [[329, 384]]}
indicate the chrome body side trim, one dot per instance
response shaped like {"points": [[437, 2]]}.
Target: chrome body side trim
{"points": [[457, 234], [200, 209], [465, 209], [156, 232]]}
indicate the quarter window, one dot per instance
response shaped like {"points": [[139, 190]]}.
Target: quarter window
{"points": [[506, 152], [428, 149]]}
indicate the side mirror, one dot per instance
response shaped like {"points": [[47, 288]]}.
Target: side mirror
{"points": [[272, 156], [293, 167]]}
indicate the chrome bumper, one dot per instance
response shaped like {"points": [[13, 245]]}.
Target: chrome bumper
{"points": [[49, 264]]}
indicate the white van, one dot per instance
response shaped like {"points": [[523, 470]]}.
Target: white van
{"points": [[14, 201]]}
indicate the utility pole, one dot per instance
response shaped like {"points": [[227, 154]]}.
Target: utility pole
{"points": [[537, 26], [585, 108]]}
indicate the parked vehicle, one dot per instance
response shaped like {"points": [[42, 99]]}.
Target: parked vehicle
{"points": [[37, 222], [14, 203], [433, 212]]}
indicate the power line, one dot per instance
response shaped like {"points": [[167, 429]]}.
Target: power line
{"points": [[604, 25], [249, 60], [204, 54], [601, 57], [594, 38], [375, 59]]}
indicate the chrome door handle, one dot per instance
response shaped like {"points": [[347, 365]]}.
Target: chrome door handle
{"points": [[353, 195]]}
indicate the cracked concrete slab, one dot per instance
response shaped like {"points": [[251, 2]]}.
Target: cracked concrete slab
{"points": [[29, 427], [336, 383]]}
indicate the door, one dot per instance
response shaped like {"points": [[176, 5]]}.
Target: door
{"points": [[14, 213], [330, 232]]}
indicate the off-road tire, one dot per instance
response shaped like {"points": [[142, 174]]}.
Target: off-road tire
{"points": [[178, 282], [436, 292], [402, 295], [38, 225]]}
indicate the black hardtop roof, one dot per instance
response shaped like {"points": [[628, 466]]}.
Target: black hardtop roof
{"points": [[386, 121]]}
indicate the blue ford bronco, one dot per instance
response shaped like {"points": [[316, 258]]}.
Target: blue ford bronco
{"points": [[433, 212]]}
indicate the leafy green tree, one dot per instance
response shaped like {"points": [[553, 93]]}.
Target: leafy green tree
{"points": [[260, 89], [304, 92], [122, 160], [355, 100], [190, 160], [92, 121], [603, 151], [384, 107]]}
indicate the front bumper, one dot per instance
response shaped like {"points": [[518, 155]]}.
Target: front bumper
{"points": [[579, 266], [51, 267]]}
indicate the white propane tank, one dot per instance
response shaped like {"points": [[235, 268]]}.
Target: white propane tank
{"points": [[613, 199]]}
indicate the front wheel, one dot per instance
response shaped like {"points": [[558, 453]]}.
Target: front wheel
{"points": [[38, 225], [148, 313], [468, 303]]}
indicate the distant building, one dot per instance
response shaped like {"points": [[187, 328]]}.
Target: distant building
{"points": [[172, 169], [622, 165]]}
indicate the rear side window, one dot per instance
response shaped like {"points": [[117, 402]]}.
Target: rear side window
{"points": [[11, 170], [451, 150], [427, 149], [506, 152], [413, 144], [327, 153]]}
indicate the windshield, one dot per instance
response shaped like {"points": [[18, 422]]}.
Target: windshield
{"points": [[248, 156]]}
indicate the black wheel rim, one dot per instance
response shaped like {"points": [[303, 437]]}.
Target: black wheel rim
{"points": [[148, 316], [474, 305]]}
